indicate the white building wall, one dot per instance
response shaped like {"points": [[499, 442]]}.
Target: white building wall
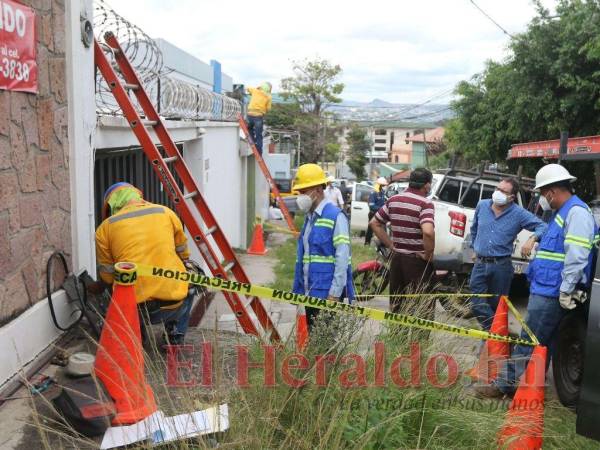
{"points": [[186, 64], [223, 179]]}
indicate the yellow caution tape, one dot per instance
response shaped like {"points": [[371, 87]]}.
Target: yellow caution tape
{"points": [[521, 321], [323, 304]]}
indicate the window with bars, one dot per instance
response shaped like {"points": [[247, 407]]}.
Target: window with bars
{"points": [[130, 165]]}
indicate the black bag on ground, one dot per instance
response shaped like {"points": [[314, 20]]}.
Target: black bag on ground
{"points": [[84, 404]]}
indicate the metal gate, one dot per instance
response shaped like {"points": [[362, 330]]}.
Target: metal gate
{"points": [[132, 166]]}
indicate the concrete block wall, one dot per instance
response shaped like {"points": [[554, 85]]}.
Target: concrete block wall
{"points": [[34, 174]]}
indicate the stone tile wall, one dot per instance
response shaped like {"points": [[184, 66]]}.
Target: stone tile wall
{"points": [[34, 170]]}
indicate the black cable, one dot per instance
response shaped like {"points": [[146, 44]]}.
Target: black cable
{"points": [[491, 19], [49, 266]]}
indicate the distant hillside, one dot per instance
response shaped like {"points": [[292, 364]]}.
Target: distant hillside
{"points": [[380, 110]]}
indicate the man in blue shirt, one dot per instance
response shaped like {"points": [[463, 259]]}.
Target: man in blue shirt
{"points": [[559, 275], [496, 224], [376, 201]]}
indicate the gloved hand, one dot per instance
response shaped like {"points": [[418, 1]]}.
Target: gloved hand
{"points": [[570, 301]]}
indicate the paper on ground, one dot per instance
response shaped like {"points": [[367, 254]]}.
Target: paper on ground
{"points": [[158, 429]]}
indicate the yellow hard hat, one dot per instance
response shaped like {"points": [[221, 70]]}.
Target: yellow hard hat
{"points": [[309, 175]]}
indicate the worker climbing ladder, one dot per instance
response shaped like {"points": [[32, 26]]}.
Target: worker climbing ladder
{"points": [[267, 174], [228, 267]]}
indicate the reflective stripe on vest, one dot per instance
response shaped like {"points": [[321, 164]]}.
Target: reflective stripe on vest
{"points": [[318, 259], [138, 213], [578, 240], [553, 256], [327, 223], [340, 239], [559, 221]]}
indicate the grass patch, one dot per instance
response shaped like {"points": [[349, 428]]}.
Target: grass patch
{"points": [[339, 404]]}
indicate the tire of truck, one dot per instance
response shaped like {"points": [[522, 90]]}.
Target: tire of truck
{"points": [[567, 361]]}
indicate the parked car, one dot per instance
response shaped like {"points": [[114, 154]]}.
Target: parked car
{"points": [[359, 207]]}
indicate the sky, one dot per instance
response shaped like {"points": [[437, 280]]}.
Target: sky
{"points": [[397, 50]]}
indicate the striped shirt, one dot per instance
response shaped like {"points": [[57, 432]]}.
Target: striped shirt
{"points": [[405, 213]]}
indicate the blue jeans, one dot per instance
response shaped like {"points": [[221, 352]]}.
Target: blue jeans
{"points": [[255, 126], [175, 320], [489, 278], [543, 317]]}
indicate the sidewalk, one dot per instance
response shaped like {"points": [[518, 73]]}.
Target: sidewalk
{"points": [[260, 271]]}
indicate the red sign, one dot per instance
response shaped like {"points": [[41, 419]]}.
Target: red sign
{"points": [[18, 69], [550, 149]]}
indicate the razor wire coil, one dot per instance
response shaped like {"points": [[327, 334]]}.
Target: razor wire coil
{"points": [[175, 98]]}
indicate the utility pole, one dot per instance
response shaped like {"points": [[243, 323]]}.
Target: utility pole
{"points": [[372, 142], [425, 148]]}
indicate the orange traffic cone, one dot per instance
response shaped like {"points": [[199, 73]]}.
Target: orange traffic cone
{"points": [[524, 425], [119, 360], [493, 352], [301, 328], [257, 246]]}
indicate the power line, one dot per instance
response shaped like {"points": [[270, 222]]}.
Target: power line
{"points": [[431, 113], [491, 19], [437, 96], [404, 108], [392, 119]]}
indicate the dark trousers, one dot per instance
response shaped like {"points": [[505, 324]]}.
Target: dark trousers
{"points": [[175, 320], [369, 233], [489, 278], [255, 126], [410, 274], [544, 315]]}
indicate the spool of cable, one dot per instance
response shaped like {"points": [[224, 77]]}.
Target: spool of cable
{"points": [[80, 364]]}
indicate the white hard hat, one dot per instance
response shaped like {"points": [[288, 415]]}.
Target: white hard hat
{"points": [[330, 179], [382, 181], [550, 174]]}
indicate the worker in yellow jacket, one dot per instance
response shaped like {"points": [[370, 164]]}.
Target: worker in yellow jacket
{"points": [[137, 231], [260, 104]]}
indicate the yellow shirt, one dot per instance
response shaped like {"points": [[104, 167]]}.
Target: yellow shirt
{"points": [[145, 234], [260, 102]]}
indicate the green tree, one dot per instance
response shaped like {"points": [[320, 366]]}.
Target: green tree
{"points": [[313, 87], [283, 115], [332, 152], [359, 145], [549, 83]]}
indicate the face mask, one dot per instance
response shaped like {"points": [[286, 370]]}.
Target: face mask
{"points": [[545, 204], [499, 198], [304, 202]]}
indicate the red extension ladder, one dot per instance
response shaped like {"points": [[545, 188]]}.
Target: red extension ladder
{"points": [[227, 268], [267, 174]]}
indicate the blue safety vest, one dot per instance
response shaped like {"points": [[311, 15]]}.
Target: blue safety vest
{"points": [[545, 271], [321, 260]]}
